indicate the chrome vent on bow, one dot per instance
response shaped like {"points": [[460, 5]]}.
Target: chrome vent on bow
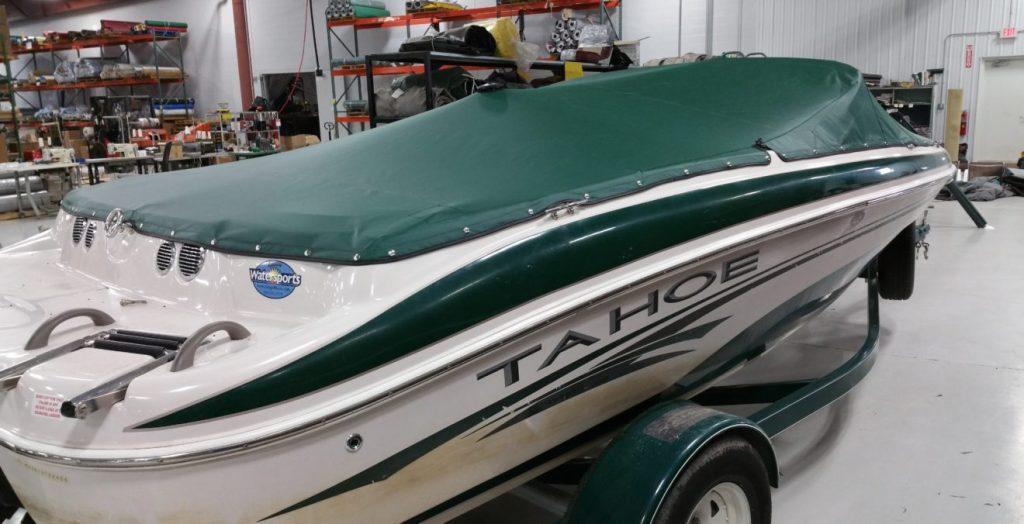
{"points": [[77, 230], [165, 257], [90, 234], [190, 260]]}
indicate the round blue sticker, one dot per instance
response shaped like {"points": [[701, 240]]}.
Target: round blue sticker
{"points": [[274, 279]]}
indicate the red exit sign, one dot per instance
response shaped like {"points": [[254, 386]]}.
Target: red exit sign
{"points": [[1008, 32]]}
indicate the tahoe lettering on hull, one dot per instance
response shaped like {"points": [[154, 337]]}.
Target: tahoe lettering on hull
{"points": [[686, 288]]}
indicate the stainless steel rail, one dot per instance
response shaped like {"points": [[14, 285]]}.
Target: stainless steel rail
{"points": [[170, 349], [9, 377], [108, 393]]}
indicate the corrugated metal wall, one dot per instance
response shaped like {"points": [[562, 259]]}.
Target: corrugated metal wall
{"points": [[894, 38]]}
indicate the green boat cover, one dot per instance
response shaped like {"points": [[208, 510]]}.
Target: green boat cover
{"points": [[499, 158]]}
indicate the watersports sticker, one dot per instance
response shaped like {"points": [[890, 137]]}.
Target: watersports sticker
{"points": [[47, 406], [274, 279]]}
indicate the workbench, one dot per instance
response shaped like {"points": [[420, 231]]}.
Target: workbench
{"points": [[143, 165], [70, 172]]}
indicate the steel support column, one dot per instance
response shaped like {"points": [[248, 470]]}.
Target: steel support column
{"points": [[242, 49]]}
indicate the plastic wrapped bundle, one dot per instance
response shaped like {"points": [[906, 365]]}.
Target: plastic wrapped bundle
{"points": [[90, 68], [46, 113], [120, 71], [595, 44], [448, 85], [64, 73], [467, 40], [348, 61], [594, 35], [570, 34], [163, 72], [506, 35], [355, 107], [174, 106], [76, 113]]}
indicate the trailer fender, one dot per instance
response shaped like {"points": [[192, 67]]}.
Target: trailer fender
{"points": [[633, 475]]}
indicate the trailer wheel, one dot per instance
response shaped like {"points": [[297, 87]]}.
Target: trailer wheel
{"points": [[896, 266], [727, 483]]}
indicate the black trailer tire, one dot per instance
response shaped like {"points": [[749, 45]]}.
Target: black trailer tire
{"points": [[896, 266], [730, 462]]}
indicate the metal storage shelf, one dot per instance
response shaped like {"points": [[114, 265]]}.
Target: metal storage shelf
{"points": [[89, 43], [67, 124], [915, 102], [481, 13], [430, 59], [352, 77], [99, 83], [167, 52], [352, 119], [7, 86], [918, 95], [388, 70]]}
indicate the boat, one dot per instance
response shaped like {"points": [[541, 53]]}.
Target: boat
{"points": [[398, 325]]}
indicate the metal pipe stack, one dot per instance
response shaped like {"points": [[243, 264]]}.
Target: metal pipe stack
{"points": [[565, 35], [422, 6], [356, 9]]}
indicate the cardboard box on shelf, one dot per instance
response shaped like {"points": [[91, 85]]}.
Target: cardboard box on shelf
{"points": [[223, 159], [81, 147], [294, 142], [69, 135], [177, 150], [985, 169], [28, 134]]}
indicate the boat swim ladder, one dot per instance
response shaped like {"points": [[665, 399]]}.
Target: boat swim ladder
{"points": [[179, 351]]}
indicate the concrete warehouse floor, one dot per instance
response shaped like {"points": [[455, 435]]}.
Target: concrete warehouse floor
{"points": [[935, 433]]}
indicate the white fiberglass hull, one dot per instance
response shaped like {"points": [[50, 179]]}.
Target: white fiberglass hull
{"points": [[527, 382]]}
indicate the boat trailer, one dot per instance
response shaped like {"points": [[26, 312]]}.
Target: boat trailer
{"points": [[635, 475]]}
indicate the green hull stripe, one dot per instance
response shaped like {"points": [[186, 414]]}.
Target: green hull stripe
{"points": [[673, 323], [778, 320], [544, 263]]}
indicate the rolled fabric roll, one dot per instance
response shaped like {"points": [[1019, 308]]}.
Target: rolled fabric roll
{"points": [[7, 186]]}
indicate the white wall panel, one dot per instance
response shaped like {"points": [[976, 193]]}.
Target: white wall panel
{"points": [[894, 38]]}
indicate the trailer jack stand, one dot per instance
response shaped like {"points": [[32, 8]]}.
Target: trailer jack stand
{"points": [[967, 205]]}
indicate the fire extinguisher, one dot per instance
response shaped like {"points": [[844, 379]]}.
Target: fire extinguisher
{"points": [[963, 123]]}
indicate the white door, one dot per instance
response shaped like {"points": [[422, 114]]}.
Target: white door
{"points": [[999, 126]]}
